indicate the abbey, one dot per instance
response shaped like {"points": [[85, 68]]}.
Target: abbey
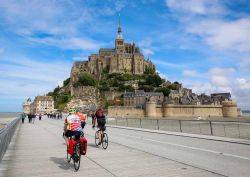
{"points": [[124, 58]]}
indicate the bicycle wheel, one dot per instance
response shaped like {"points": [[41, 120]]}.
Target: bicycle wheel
{"points": [[97, 138], [68, 156], [105, 141], [77, 156]]}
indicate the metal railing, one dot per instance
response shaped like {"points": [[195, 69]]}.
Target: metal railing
{"points": [[232, 129], [6, 135]]}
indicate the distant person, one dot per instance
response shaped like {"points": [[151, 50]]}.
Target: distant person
{"points": [[93, 119], [23, 115], [40, 116], [29, 117], [33, 118]]}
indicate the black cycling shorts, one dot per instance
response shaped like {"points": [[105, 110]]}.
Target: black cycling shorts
{"points": [[70, 133], [101, 124]]}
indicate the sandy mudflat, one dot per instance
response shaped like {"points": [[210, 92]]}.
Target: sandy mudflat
{"points": [[4, 121]]}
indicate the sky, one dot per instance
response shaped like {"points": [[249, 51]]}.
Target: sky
{"points": [[204, 44]]}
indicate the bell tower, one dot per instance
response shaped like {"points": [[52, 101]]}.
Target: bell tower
{"points": [[119, 41]]}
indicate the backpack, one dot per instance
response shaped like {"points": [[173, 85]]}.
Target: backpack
{"points": [[99, 113]]}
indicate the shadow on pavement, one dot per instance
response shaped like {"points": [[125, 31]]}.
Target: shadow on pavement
{"points": [[93, 145], [62, 163]]}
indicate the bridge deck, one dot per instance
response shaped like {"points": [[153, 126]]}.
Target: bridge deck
{"points": [[39, 150]]}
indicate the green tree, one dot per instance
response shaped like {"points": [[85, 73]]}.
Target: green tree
{"points": [[171, 87], [147, 88], [154, 80], [85, 80], [57, 89], [128, 88], [149, 70], [103, 85], [164, 90], [66, 82]]}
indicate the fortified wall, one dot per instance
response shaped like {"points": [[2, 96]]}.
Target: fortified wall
{"points": [[227, 109], [125, 111]]}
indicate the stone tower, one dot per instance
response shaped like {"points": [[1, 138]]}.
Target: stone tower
{"points": [[119, 41], [229, 109]]}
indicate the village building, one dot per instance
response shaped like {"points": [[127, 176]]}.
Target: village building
{"points": [[44, 104], [27, 106], [138, 98]]}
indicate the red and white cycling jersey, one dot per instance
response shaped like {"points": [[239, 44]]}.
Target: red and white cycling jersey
{"points": [[74, 122]]}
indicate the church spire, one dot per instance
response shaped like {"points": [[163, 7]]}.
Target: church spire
{"points": [[119, 35]]}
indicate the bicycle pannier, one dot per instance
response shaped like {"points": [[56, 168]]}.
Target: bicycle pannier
{"points": [[83, 146]]}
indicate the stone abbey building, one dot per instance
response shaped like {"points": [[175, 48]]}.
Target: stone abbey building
{"points": [[124, 58]]}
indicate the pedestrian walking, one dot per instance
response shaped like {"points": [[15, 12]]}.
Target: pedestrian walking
{"points": [[33, 118], [23, 115], [40, 116], [29, 117]]}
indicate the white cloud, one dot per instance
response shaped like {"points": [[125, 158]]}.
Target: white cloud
{"points": [[223, 80], [190, 73], [119, 5], [59, 24], [220, 81], [222, 71], [223, 35], [43, 16], [168, 64], [22, 78], [146, 46], [242, 83], [244, 64], [162, 75], [69, 43], [200, 7], [27, 69], [147, 51]]}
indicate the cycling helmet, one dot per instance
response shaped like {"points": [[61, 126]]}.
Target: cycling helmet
{"points": [[78, 109], [72, 111]]}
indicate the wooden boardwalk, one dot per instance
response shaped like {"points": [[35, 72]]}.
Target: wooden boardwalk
{"points": [[39, 150]]}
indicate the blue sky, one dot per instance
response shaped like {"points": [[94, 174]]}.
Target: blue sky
{"points": [[202, 43]]}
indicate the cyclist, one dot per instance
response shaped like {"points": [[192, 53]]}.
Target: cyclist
{"points": [[101, 121], [72, 125], [82, 117]]}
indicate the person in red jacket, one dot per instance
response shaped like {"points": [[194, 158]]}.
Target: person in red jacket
{"points": [[101, 121]]}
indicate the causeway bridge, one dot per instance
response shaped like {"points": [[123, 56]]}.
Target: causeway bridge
{"points": [[38, 150]]}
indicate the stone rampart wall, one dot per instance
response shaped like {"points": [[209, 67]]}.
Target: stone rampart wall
{"points": [[192, 110], [125, 111], [168, 111]]}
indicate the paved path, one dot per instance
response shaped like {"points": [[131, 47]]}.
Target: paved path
{"points": [[39, 150]]}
